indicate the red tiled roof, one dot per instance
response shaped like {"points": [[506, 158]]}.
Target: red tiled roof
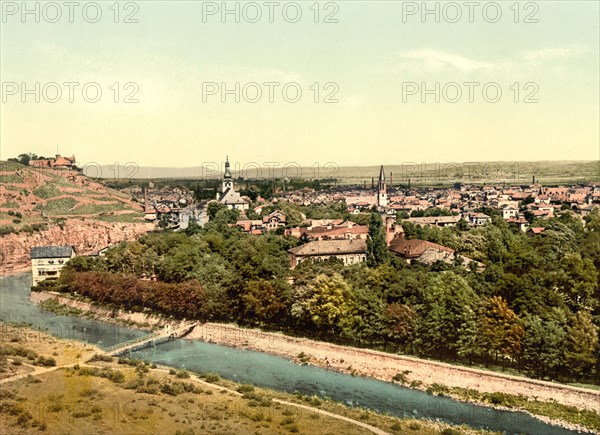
{"points": [[330, 247], [415, 247]]}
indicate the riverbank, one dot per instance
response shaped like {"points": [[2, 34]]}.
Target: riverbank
{"points": [[90, 393], [463, 383], [385, 366], [350, 360]]}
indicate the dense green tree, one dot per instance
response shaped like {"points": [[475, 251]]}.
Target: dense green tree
{"points": [[578, 281], [264, 301], [213, 208], [500, 330], [332, 305], [377, 252], [192, 228], [448, 302], [218, 272], [368, 319], [544, 344], [581, 343], [400, 322]]}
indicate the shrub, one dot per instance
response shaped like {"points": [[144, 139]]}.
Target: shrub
{"points": [[100, 357], [286, 421], [400, 378], [212, 378], [6, 229], [245, 388], [45, 361]]}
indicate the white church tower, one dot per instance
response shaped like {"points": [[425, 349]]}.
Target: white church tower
{"points": [[227, 180]]}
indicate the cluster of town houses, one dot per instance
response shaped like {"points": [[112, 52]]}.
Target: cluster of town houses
{"points": [[164, 203], [325, 239], [346, 241]]}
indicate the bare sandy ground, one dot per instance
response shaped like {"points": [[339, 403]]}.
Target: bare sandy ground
{"points": [[383, 366]]}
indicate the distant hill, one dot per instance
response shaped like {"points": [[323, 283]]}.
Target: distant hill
{"points": [[419, 173]]}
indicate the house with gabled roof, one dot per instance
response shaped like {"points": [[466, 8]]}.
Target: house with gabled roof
{"points": [[350, 252]]}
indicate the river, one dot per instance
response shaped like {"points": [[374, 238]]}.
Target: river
{"points": [[268, 371]]}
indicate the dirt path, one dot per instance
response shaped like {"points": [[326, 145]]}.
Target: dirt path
{"points": [[297, 405], [384, 366], [37, 370], [41, 370]]}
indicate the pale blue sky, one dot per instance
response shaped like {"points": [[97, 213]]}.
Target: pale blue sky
{"points": [[369, 53]]}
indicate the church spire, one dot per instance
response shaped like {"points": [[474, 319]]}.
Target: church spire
{"points": [[381, 189], [227, 170], [227, 179]]}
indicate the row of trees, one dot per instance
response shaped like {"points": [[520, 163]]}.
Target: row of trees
{"points": [[534, 308]]}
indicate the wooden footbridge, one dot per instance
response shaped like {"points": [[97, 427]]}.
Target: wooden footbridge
{"points": [[168, 333]]}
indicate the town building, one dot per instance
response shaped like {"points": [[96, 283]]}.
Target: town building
{"points": [[520, 222], [270, 222], [509, 212], [350, 252], [339, 230], [228, 196], [424, 252], [421, 251], [47, 261], [274, 220], [436, 221], [478, 219]]}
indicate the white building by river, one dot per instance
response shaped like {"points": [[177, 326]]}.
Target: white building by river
{"points": [[47, 261]]}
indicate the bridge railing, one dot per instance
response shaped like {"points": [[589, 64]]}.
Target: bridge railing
{"points": [[147, 338]]}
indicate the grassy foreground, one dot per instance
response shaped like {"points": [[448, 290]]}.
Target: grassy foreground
{"points": [[65, 387]]}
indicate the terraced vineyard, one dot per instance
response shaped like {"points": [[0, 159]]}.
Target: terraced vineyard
{"points": [[41, 196]]}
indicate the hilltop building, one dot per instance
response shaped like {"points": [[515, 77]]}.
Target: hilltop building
{"points": [[57, 162], [47, 261], [382, 199], [228, 195]]}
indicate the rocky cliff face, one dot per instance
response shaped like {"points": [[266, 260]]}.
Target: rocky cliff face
{"points": [[86, 236]]}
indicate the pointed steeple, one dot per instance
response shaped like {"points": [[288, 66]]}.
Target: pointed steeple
{"points": [[382, 189], [227, 170], [227, 179]]}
